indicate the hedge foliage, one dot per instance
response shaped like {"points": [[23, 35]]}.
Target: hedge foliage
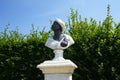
{"points": [[96, 51]]}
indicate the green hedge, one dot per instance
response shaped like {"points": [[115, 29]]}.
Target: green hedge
{"points": [[97, 48], [96, 51]]}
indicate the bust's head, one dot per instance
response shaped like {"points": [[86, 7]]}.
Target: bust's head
{"points": [[58, 25]]}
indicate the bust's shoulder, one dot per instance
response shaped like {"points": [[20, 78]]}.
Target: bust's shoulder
{"points": [[67, 36], [50, 38]]}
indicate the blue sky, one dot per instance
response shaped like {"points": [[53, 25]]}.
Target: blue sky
{"points": [[23, 13]]}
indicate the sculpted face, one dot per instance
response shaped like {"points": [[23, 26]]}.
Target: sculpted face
{"points": [[57, 30], [56, 27]]}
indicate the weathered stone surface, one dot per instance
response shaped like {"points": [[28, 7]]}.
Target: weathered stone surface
{"points": [[63, 66]]}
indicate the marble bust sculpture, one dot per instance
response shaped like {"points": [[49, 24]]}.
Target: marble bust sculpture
{"points": [[59, 41]]}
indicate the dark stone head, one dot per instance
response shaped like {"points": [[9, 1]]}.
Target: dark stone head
{"points": [[58, 28], [58, 23]]}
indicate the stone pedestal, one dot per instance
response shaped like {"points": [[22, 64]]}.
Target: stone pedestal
{"points": [[58, 77], [57, 69]]}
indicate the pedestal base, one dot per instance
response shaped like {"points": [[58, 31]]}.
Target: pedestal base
{"points": [[58, 76], [57, 70]]}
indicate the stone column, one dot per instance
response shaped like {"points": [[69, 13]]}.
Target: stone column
{"points": [[58, 68]]}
